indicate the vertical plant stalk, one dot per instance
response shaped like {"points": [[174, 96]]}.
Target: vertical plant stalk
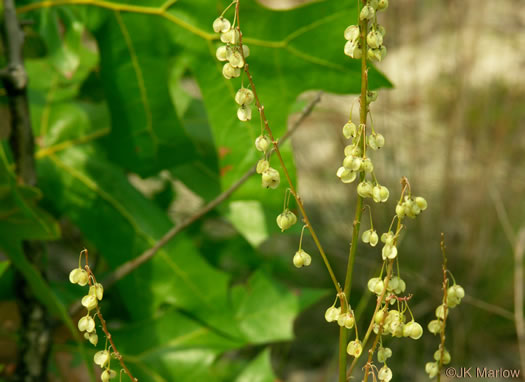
{"points": [[275, 143], [445, 309], [380, 299], [35, 339], [363, 110]]}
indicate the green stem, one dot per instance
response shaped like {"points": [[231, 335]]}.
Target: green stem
{"points": [[359, 203]]}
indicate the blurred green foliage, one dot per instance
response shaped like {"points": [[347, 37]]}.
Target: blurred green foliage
{"points": [[107, 101]]}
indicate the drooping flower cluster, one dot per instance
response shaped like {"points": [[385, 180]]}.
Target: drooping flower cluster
{"points": [[452, 298], [86, 324], [375, 49]]}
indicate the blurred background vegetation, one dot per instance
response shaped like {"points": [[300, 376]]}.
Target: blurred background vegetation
{"points": [[453, 123]]}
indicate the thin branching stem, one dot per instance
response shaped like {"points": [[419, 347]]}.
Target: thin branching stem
{"points": [[275, 142], [343, 333], [92, 280]]}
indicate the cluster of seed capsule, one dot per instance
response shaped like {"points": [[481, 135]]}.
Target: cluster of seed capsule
{"points": [[270, 177], [86, 324], [375, 48], [356, 161], [347, 320], [454, 295], [234, 54], [393, 322]]}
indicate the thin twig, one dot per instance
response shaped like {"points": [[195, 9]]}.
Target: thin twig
{"points": [[519, 250], [445, 308], [518, 244], [129, 266], [133, 264], [92, 280], [503, 217], [376, 341]]}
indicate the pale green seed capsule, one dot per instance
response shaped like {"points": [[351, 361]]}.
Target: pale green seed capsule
{"points": [[389, 251], [92, 338], [89, 302], [383, 354], [372, 142], [367, 166], [244, 96], [231, 36], [244, 113], [349, 321], [384, 374], [354, 348], [380, 140], [101, 358], [351, 33], [458, 291], [393, 283], [364, 189], [431, 368], [387, 238], [413, 330], [228, 71], [332, 314], [446, 356], [382, 5], [349, 130], [222, 53], [376, 193], [435, 326], [299, 259], [367, 13], [374, 238], [221, 24], [271, 178], [440, 312], [378, 318], [365, 237], [374, 39], [262, 165], [107, 375], [356, 163], [262, 143], [346, 175], [86, 324], [286, 219], [421, 203], [347, 162], [236, 60], [400, 211]]}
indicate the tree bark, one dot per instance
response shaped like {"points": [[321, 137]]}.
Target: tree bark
{"points": [[35, 332]]}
